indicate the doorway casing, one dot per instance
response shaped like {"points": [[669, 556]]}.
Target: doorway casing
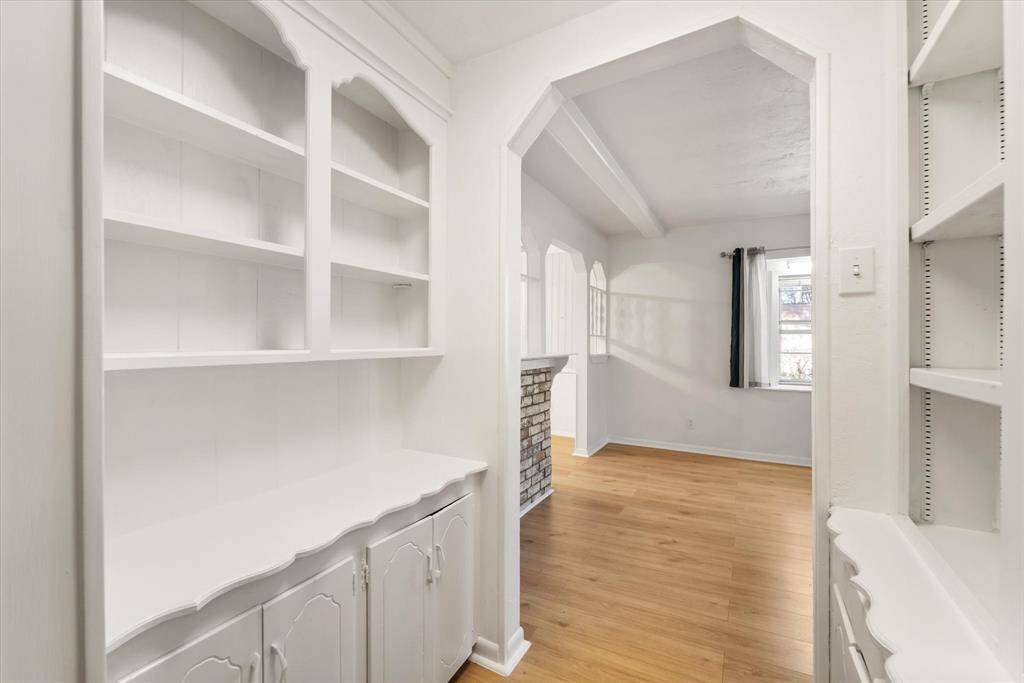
{"points": [[793, 54]]}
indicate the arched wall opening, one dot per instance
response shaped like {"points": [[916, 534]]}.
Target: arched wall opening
{"points": [[795, 56]]}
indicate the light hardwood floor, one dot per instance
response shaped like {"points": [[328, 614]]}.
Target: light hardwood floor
{"points": [[649, 565]]}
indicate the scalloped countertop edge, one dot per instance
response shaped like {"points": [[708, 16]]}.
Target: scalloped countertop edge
{"points": [[151, 580], [909, 612]]}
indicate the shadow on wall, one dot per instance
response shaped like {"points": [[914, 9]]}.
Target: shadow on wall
{"points": [[677, 334]]}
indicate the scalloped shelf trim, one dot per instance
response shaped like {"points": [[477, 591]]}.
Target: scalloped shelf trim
{"points": [[132, 557]]}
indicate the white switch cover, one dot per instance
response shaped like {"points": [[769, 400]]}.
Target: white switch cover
{"points": [[857, 270]]}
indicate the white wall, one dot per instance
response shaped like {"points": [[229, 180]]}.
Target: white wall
{"points": [[40, 564], [669, 346], [547, 219], [494, 94]]}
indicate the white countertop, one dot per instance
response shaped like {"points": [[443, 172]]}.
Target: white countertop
{"points": [[176, 567], [535, 361], [910, 612]]}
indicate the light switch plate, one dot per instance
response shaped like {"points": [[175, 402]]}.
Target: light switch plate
{"points": [[857, 270]]}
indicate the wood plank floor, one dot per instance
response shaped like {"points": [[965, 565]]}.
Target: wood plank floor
{"points": [[648, 565]]}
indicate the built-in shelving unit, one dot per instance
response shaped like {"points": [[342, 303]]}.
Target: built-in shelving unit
{"points": [[206, 201], [273, 215], [966, 38], [959, 385], [380, 225]]}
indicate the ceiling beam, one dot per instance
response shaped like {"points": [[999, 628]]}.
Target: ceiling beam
{"points": [[571, 130]]}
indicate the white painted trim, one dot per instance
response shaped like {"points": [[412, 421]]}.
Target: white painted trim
{"points": [[346, 40], [485, 653], [386, 11], [530, 506], [573, 133], [711, 450], [564, 435], [91, 403], [587, 452]]}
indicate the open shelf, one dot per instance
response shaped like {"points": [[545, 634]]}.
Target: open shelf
{"points": [[975, 211], [137, 101], [192, 359], [367, 192], [967, 38], [389, 276], [980, 385], [126, 227]]}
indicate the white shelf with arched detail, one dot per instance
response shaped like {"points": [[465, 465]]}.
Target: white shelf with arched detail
{"points": [[204, 188], [380, 225]]}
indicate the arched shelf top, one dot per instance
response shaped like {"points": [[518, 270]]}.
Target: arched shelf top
{"points": [[256, 22], [373, 94]]}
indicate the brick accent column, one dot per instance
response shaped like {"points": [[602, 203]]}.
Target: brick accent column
{"points": [[534, 435]]}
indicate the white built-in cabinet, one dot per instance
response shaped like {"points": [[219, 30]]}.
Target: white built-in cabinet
{"points": [[229, 654], [310, 631], [404, 614], [420, 613], [264, 199]]}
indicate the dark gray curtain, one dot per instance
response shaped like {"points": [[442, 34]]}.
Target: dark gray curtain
{"points": [[736, 342]]}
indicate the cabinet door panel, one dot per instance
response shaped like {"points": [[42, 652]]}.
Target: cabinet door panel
{"points": [[453, 557], [228, 654], [401, 648], [311, 630]]}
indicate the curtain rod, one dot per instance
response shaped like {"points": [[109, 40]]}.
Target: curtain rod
{"points": [[728, 254]]}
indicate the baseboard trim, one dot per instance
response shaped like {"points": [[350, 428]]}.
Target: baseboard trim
{"points": [[564, 435], [581, 453], [710, 450], [535, 503], [485, 653]]}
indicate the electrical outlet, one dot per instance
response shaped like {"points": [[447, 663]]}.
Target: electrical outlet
{"points": [[689, 425]]}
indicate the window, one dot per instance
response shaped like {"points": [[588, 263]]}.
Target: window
{"points": [[598, 311], [791, 317]]}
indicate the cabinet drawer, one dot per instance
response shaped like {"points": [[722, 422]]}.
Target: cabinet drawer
{"points": [[228, 654]]}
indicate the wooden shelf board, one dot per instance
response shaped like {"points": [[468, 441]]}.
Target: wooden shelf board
{"points": [[975, 211], [967, 38], [976, 384], [910, 613], [365, 191], [187, 359], [125, 227], [368, 354], [391, 276], [139, 102], [174, 568]]}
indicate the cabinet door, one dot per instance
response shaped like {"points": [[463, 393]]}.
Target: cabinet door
{"points": [[453, 586], [401, 647], [309, 632], [229, 654]]}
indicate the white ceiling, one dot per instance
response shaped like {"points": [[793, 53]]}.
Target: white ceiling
{"points": [[722, 137], [463, 29], [549, 164]]}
